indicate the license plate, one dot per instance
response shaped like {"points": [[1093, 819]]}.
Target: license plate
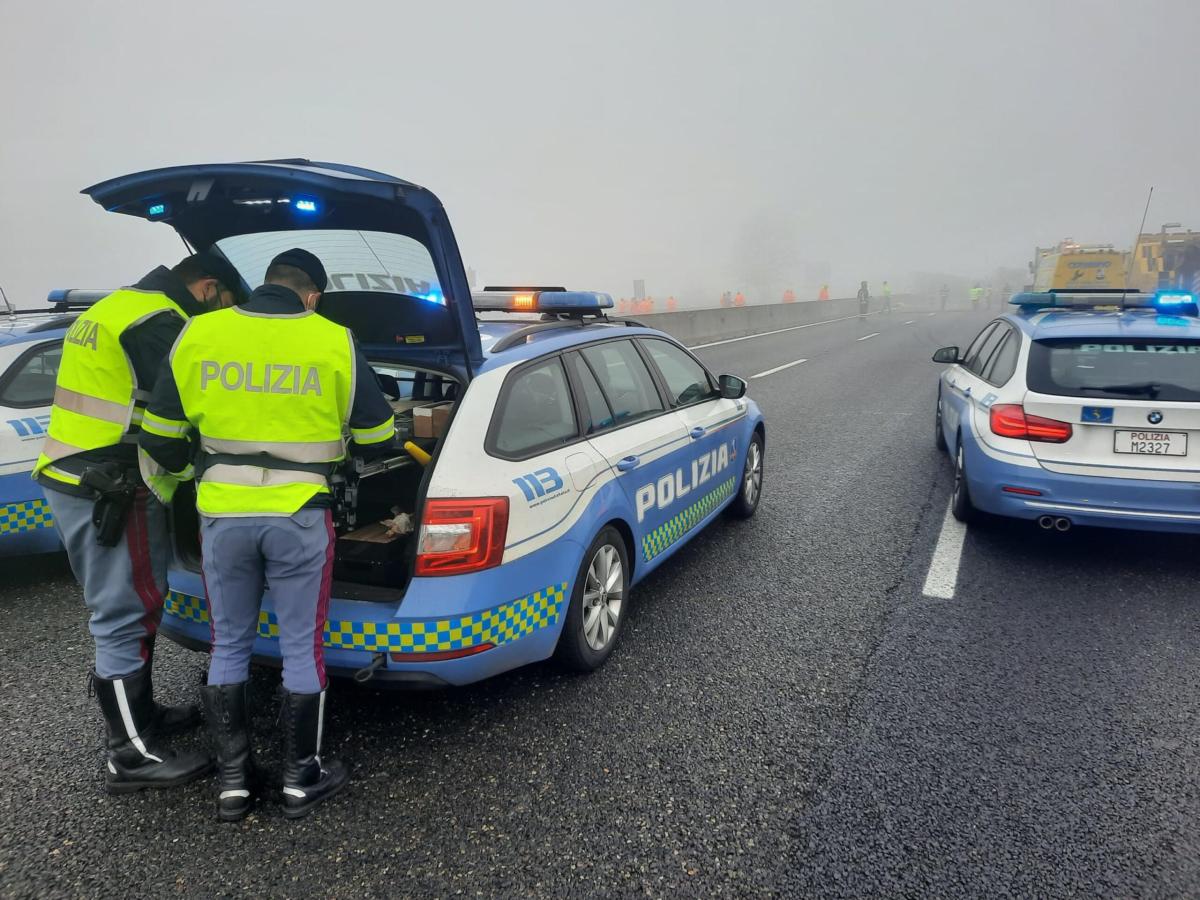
{"points": [[1151, 443]]}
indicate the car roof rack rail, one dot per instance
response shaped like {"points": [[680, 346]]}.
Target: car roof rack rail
{"points": [[515, 338]]}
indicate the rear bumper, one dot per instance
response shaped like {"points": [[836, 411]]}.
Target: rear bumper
{"points": [[438, 616], [1084, 499]]}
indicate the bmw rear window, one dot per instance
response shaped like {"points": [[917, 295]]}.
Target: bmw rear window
{"points": [[1128, 368]]}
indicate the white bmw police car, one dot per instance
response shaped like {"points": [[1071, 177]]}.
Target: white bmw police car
{"points": [[553, 458], [1078, 409]]}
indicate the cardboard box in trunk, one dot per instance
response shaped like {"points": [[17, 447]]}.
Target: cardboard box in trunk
{"points": [[430, 421]]}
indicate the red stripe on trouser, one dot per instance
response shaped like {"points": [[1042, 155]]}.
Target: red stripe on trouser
{"points": [[212, 628], [323, 602], [137, 539]]}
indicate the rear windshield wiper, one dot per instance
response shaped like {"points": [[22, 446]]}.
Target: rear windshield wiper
{"points": [[1149, 389]]}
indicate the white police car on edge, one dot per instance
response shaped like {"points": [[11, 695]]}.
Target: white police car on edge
{"points": [[1078, 408], [553, 459]]}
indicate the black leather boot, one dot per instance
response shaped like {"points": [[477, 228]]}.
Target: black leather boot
{"points": [[169, 719], [225, 710], [136, 758], [307, 781]]}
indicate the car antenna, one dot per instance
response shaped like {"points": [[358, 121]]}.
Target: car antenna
{"points": [[1136, 241], [12, 313]]}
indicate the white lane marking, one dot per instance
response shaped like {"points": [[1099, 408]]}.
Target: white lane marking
{"points": [[776, 331], [867, 337], [943, 567], [931, 314], [794, 362], [909, 322]]}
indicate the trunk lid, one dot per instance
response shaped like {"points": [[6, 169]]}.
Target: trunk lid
{"points": [[395, 274], [1133, 403]]}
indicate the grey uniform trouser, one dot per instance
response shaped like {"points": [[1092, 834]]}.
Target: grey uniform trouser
{"points": [[123, 586], [293, 556]]}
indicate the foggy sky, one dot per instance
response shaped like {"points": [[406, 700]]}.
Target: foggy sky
{"points": [[690, 144]]}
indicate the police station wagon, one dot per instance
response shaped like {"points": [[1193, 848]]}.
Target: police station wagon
{"points": [[1078, 409], [547, 458]]}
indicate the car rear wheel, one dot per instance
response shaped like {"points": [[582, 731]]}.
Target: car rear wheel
{"points": [[962, 507], [939, 438], [598, 603], [750, 490]]}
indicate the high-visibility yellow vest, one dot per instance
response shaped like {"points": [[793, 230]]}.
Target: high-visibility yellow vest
{"points": [[264, 391], [97, 402]]}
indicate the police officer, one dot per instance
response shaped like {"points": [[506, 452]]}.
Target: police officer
{"points": [[864, 299], [886, 290], [111, 357], [269, 388]]}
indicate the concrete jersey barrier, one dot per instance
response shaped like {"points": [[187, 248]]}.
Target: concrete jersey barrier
{"points": [[702, 325]]}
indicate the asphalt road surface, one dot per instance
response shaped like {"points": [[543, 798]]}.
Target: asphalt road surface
{"points": [[789, 712]]}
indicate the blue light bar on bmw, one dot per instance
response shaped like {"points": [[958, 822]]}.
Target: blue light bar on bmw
{"points": [[1178, 303], [556, 301]]}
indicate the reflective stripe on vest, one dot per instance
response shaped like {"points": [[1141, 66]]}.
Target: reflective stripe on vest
{"points": [[255, 385], [97, 402]]}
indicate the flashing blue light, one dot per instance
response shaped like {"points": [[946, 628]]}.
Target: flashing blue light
{"points": [[1174, 298], [305, 205], [435, 298], [156, 209], [575, 300]]}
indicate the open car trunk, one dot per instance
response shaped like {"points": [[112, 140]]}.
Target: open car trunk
{"points": [[395, 279], [377, 494]]}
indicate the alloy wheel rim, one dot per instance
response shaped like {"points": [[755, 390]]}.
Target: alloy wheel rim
{"points": [[752, 483], [603, 597]]}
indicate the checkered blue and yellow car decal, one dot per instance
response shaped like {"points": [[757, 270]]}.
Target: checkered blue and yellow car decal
{"points": [[673, 530], [499, 625], [28, 515]]}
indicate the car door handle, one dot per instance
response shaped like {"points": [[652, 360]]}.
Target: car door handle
{"points": [[697, 432], [629, 462]]}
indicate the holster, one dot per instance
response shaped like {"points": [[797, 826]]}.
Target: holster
{"points": [[115, 489]]}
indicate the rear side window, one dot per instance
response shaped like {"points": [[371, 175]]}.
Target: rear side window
{"points": [[536, 412], [983, 352], [1126, 368], [598, 415], [972, 354], [626, 381], [30, 382], [1004, 361], [687, 382]]}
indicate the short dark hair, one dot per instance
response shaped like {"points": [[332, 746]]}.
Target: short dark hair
{"points": [[207, 265], [291, 277]]}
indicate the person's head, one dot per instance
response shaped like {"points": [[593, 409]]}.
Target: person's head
{"points": [[210, 279], [864, 284], [301, 272]]}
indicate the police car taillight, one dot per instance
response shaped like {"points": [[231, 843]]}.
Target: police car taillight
{"points": [[1011, 420], [459, 536]]}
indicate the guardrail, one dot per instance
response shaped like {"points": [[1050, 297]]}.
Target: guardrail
{"points": [[698, 326]]}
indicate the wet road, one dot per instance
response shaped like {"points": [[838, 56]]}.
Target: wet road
{"points": [[787, 713]]}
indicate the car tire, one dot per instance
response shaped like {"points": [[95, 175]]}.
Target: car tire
{"points": [[596, 613], [961, 505], [749, 490], [939, 438]]}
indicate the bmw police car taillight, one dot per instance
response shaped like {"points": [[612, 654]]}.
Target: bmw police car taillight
{"points": [[1011, 420], [459, 536]]}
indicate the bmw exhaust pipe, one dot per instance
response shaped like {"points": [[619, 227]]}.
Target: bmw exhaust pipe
{"points": [[1062, 523], [1045, 522]]}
